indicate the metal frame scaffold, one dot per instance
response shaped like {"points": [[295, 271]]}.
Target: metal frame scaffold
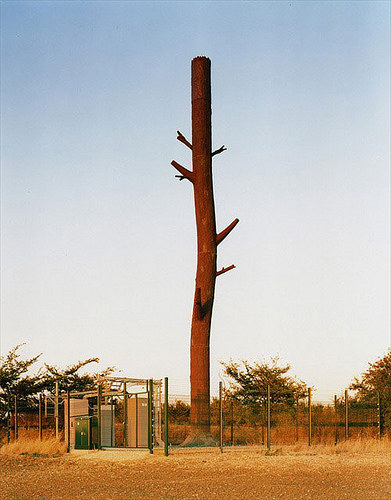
{"points": [[120, 412]]}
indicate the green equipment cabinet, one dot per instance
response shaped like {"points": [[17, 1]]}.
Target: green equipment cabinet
{"points": [[83, 433]]}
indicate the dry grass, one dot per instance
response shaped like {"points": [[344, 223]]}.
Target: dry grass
{"points": [[33, 446], [351, 447], [284, 435]]}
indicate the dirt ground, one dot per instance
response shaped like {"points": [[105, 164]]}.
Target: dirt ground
{"points": [[195, 473]]}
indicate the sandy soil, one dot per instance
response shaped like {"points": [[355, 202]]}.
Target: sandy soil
{"points": [[193, 473]]}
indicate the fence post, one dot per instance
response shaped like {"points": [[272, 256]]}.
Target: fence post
{"points": [[56, 409], [40, 416], [166, 417], [136, 397], [150, 413], [221, 415], [379, 415], [268, 417], [99, 404], [232, 423], [336, 419], [69, 421], [346, 416], [16, 418], [125, 417], [112, 423], [309, 417], [8, 420]]}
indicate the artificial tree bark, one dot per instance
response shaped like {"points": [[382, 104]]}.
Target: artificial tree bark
{"points": [[207, 241]]}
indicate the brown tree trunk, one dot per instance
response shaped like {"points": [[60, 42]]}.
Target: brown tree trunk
{"points": [[206, 246], [207, 241]]}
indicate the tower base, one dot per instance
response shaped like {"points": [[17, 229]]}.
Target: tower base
{"points": [[199, 439]]}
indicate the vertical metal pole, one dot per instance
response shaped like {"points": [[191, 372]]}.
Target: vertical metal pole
{"points": [[40, 416], [232, 423], [268, 417], [151, 429], [336, 419], [8, 420], [221, 415], [99, 404], [125, 417], [136, 420], [112, 423], [309, 417], [16, 418], [149, 415], [346, 416], [56, 409], [380, 423], [69, 421], [166, 417]]}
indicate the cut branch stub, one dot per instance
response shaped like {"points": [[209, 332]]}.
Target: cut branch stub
{"points": [[183, 139], [220, 150], [225, 269], [225, 232], [185, 174]]}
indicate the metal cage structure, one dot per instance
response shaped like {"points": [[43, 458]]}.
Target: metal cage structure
{"points": [[120, 412]]}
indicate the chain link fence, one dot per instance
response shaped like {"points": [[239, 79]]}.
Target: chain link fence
{"points": [[268, 422], [248, 424]]}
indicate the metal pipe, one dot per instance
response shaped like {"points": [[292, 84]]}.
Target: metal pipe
{"points": [[346, 416], [232, 423], [336, 419], [151, 427], [56, 409], [268, 417], [149, 417], [136, 421], [166, 416], [221, 415], [309, 417], [125, 416], [112, 423], [16, 418], [379, 409], [40, 416], [69, 421], [8, 420], [99, 404]]}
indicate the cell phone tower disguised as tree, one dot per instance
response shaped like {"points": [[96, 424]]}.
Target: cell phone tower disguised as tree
{"points": [[207, 241]]}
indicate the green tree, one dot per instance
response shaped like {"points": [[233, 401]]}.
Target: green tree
{"points": [[15, 381], [374, 382], [13, 374], [179, 412], [69, 378], [248, 385]]}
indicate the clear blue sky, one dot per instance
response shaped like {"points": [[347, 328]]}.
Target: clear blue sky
{"points": [[98, 237]]}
